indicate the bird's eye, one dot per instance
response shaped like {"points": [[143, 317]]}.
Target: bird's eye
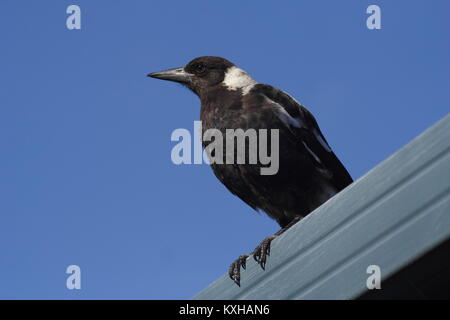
{"points": [[199, 68]]}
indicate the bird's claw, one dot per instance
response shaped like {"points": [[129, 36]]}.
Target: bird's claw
{"points": [[260, 255], [235, 268], [262, 251]]}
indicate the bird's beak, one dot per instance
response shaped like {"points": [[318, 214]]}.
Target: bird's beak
{"points": [[176, 74]]}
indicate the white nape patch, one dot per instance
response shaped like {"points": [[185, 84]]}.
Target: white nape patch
{"points": [[311, 152], [236, 78]]}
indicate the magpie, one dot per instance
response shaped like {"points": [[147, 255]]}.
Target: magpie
{"points": [[309, 172]]}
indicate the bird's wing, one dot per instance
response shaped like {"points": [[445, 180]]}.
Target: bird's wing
{"points": [[306, 130], [234, 180]]}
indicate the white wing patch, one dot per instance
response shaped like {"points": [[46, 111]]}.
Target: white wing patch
{"points": [[292, 98], [322, 142], [311, 152], [287, 118], [236, 78], [316, 133], [299, 123]]}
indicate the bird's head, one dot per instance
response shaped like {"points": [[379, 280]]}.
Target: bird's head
{"points": [[204, 73]]}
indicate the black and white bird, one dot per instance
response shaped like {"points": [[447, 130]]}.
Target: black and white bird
{"points": [[309, 172]]}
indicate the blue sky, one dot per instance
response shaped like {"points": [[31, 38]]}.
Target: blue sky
{"points": [[85, 171]]}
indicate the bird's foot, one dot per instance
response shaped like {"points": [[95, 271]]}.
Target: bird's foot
{"points": [[235, 268], [262, 251]]}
